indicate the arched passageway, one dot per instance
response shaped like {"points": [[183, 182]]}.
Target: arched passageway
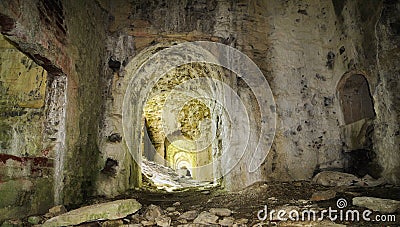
{"points": [[198, 112], [181, 116]]}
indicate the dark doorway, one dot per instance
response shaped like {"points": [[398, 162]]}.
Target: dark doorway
{"points": [[355, 99]]}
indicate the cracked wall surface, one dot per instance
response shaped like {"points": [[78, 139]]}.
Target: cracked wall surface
{"points": [[303, 48], [67, 39], [26, 165]]}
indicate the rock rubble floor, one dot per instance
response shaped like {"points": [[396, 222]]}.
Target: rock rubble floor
{"points": [[216, 207]]}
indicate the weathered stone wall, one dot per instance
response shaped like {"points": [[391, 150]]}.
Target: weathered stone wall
{"points": [[306, 64], [66, 38], [387, 96], [23, 86], [304, 48], [26, 163], [86, 98]]}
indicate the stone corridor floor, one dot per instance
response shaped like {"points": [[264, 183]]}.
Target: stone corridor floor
{"points": [[165, 178], [216, 207]]}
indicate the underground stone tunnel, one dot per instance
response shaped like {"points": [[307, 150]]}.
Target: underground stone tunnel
{"points": [[198, 113]]}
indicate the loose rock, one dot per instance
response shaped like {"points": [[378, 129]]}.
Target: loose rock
{"points": [[163, 221], [11, 223], [227, 221], [56, 210], [377, 204], [182, 221], [323, 195], [152, 212], [368, 181], [242, 221], [104, 211], [147, 223], [206, 218], [34, 220], [331, 178], [189, 215], [222, 212]]}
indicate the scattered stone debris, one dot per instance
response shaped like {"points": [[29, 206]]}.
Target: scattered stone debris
{"points": [[147, 223], [163, 221], [242, 221], [193, 208], [170, 209], [152, 212], [12, 223], [222, 212], [377, 204], [323, 223], [227, 221], [368, 181], [206, 218], [56, 210], [176, 204], [332, 178], [165, 178], [189, 215], [105, 211], [34, 220], [323, 195]]}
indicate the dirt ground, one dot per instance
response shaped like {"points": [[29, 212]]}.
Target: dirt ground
{"points": [[248, 202]]}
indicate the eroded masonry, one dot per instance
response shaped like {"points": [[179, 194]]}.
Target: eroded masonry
{"points": [[84, 114]]}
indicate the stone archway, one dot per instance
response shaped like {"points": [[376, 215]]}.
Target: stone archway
{"points": [[245, 120], [357, 130], [156, 100]]}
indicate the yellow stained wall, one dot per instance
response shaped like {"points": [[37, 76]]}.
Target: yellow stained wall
{"points": [[22, 99]]}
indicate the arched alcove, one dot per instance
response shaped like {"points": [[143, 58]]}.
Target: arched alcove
{"points": [[356, 131], [355, 98]]}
